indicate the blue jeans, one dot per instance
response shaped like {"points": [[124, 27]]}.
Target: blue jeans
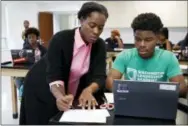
{"points": [[19, 81]]}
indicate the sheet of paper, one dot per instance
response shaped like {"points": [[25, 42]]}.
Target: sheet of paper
{"points": [[118, 49], [184, 66], [90, 116], [109, 97]]}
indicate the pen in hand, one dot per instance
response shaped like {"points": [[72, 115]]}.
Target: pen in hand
{"points": [[72, 107]]}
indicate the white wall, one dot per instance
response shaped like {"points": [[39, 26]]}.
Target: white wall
{"points": [[16, 13], [73, 21], [64, 21], [3, 28], [122, 13], [172, 13], [56, 24], [61, 6], [3, 23]]}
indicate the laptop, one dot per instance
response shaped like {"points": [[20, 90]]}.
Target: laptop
{"points": [[22, 56], [146, 99]]}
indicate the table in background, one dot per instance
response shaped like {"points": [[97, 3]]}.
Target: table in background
{"points": [[109, 56], [8, 69]]}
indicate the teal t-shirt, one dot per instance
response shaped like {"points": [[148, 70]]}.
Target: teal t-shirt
{"points": [[161, 67]]}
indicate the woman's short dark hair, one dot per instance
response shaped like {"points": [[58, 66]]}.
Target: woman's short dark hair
{"points": [[147, 21], [164, 31], [32, 30], [89, 7]]}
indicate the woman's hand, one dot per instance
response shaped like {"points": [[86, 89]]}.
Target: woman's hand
{"points": [[117, 37], [64, 102], [87, 99], [120, 43]]}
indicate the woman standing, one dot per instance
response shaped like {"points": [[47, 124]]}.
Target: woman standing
{"points": [[76, 60]]}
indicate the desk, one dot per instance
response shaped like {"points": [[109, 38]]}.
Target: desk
{"points": [[8, 69], [183, 62], [183, 104], [120, 120], [181, 118], [109, 55], [112, 53]]}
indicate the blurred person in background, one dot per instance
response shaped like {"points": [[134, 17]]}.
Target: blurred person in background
{"points": [[26, 26], [163, 37], [32, 36], [181, 44], [75, 69], [114, 41]]}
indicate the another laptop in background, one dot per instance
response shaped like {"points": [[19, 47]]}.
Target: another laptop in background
{"points": [[146, 99], [22, 56]]}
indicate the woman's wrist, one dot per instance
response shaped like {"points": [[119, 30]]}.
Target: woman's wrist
{"points": [[57, 91], [93, 87]]}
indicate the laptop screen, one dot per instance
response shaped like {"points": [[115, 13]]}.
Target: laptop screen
{"points": [[23, 56]]}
